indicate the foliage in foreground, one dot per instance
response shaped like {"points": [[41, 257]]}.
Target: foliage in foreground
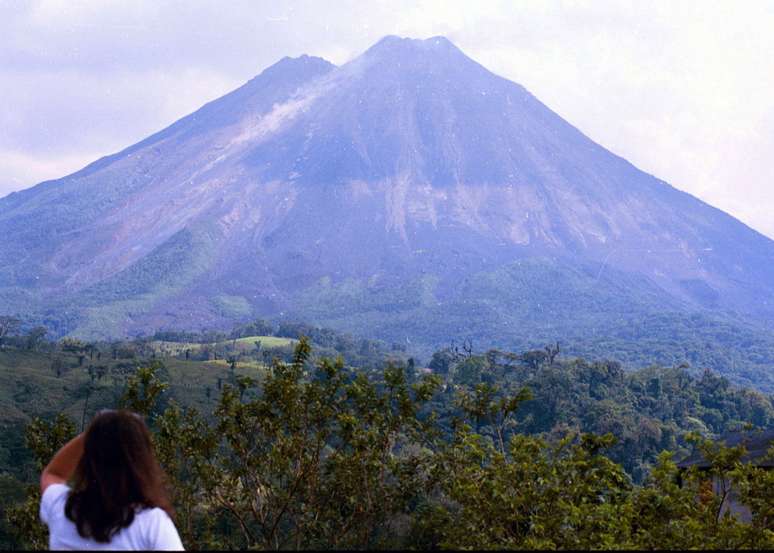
{"points": [[324, 457]]}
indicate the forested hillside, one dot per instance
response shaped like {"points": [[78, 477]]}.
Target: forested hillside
{"points": [[378, 449]]}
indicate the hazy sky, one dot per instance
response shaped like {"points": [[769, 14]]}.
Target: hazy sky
{"points": [[682, 89]]}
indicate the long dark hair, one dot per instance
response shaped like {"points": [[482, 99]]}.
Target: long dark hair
{"points": [[117, 475]]}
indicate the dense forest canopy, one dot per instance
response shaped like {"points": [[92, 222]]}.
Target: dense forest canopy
{"points": [[381, 449]]}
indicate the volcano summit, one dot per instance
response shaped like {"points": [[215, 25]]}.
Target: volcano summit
{"points": [[409, 194]]}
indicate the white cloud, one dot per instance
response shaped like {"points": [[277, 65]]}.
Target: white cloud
{"points": [[69, 111], [20, 168], [683, 90]]}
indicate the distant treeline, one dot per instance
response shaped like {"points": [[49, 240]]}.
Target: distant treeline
{"points": [[318, 455], [18, 334], [648, 410]]}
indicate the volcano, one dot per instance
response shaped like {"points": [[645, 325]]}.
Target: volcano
{"points": [[409, 194]]}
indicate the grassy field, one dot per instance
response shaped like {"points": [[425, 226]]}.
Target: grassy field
{"points": [[243, 344], [266, 341], [30, 387]]}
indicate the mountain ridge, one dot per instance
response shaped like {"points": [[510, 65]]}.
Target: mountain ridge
{"points": [[401, 174]]}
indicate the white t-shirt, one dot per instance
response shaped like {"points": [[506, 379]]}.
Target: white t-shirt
{"points": [[151, 528]]}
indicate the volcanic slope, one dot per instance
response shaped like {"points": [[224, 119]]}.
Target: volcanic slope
{"points": [[409, 194]]}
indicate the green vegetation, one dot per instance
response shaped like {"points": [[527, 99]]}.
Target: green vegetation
{"points": [[266, 341], [243, 344], [318, 456], [648, 410], [497, 450], [595, 314]]}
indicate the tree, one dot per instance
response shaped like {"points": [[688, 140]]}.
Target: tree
{"points": [[259, 327], [411, 369], [488, 407], [35, 337], [534, 359], [72, 345], [552, 352], [9, 325], [57, 366], [143, 389], [315, 457], [44, 439], [532, 496], [678, 510], [441, 361], [469, 371], [294, 330]]}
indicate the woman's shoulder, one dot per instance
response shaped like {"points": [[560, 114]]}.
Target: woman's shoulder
{"points": [[155, 520], [55, 490], [51, 501], [158, 529]]}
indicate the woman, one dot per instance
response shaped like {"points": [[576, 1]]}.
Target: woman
{"points": [[117, 499]]}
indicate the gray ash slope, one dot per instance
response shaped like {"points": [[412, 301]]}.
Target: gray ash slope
{"points": [[409, 194]]}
